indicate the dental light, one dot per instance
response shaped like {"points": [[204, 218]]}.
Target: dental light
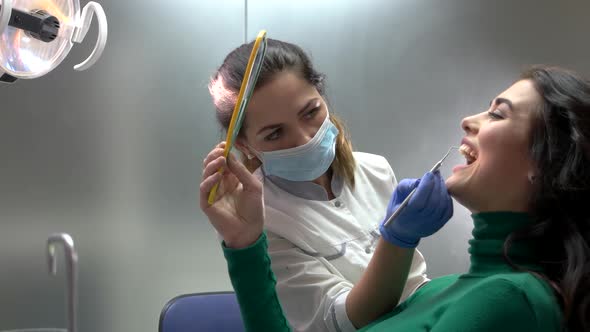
{"points": [[37, 35]]}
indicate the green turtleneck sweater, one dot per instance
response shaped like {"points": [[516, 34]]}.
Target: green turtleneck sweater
{"points": [[490, 297]]}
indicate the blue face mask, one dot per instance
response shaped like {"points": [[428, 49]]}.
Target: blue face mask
{"points": [[306, 162]]}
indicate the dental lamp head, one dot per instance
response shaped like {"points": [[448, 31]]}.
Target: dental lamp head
{"points": [[36, 36]]}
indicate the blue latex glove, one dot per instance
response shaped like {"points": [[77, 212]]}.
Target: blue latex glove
{"points": [[427, 211]]}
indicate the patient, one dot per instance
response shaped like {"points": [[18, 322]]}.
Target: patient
{"points": [[526, 182]]}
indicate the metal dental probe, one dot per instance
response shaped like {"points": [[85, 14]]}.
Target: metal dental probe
{"points": [[405, 202]]}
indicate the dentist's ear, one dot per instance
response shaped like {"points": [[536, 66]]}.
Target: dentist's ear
{"points": [[241, 145]]}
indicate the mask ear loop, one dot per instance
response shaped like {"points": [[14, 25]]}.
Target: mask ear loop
{"points": [[254, 153], [80, 33]]}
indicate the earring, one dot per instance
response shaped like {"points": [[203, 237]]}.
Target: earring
{"points": [[532, 178], [250, 157]]}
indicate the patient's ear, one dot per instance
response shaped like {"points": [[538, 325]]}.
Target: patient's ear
{"points": [[532, 174]]}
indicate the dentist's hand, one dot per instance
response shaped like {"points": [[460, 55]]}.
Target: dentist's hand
{"points": [[238, 211], [427, 211]]}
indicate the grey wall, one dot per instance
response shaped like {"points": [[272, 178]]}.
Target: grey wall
{"points": [[113, 155]]}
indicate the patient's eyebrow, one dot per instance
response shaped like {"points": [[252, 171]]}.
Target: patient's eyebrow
{"points": [[499, 101]]}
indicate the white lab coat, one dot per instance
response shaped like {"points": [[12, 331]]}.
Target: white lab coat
{"points": [[319, 249]]}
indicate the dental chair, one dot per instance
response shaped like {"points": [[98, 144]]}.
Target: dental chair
{"points": [[202, 312]]}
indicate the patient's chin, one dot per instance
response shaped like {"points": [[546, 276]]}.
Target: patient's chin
{"points": [[455, 185], [459, 190]]}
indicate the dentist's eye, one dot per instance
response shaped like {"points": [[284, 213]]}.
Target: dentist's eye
{"points": [[312, 113], [276, 134], [495, 115]]}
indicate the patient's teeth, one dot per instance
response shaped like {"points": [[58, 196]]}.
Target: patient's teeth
{"points": [[468, 152]]}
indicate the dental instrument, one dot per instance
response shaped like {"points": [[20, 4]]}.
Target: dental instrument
{"points": [[407, 199]]}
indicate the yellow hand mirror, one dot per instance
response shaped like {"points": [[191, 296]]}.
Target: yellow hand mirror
{"points": [[246, 89]]}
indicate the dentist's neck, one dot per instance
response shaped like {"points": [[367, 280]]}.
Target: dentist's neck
{"points": [[326, 182]]}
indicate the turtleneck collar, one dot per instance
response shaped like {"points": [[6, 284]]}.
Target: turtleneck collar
{"points": [[487, 245]]}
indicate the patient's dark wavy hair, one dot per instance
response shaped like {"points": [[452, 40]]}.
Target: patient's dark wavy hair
{"points": [[560, 148]]}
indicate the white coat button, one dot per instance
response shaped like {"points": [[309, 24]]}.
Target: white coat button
{"points": [[338, 204]]}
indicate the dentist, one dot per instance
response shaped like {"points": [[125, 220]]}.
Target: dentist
{"points": [[323, 203]]}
